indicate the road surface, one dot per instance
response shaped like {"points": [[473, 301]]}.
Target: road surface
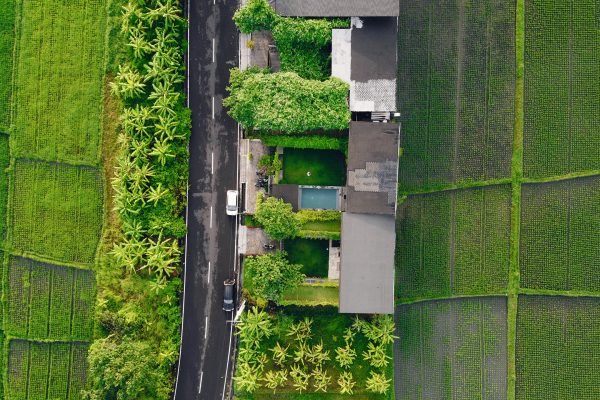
{"points": [[210, 251]]}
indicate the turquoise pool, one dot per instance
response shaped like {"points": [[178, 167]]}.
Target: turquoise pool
{"points": [[322, 198]]}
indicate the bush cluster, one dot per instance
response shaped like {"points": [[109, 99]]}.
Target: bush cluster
{"points": [[304, 142]]}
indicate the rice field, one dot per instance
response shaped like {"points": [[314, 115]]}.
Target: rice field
{"points": [[7, 42], [56, 210], [558, 348], [560, 235], [58, 80], [562, 87], [453, 243], [45, 301], [4, 163], [452, 349], [39, 370], [456, 83]]}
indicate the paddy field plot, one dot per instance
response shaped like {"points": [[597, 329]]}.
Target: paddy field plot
{"points": [[4, 162], [7, 42], [38, 370], [456, 88], [453, 243], [558, 348], [452, 349], [560, 235], [56, 210], [44, 301], [562, 87], [58, 80]]}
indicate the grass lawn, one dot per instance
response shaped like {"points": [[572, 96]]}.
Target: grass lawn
{"points": [[328, 226], [312, 295], [326, 167], [312, 254]]}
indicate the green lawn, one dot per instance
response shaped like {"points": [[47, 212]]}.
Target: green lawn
{"points": [[312, 295], [326, 167], [312, 254], [327, 226]]}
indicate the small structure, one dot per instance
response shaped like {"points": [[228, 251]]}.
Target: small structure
{"points": [[336, 8]]}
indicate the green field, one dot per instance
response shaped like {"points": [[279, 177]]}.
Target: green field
{"points": [[456, 88], [452, 349], [38, 370], [558, 348], [560, 235], [312, 254], [562, 87], [453, 243], [58, 80], [7, 43], [326, 167], [45, 301], [4, 162], [56, 210]]}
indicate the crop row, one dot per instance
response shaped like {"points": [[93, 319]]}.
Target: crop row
{"points": [[562, 87], [4, 162], [456, 92], [452, 349], [44, 301], [558, 348], [454, 242], [50, 371], [7, 41], [58, 80], [560, 244], [56, 210]]}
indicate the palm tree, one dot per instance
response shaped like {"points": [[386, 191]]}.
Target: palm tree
{"points": [[377, 383], [247, 377], [254, 325], [376, 355], [166, 128], [345, 356], [131, 12], [162, 151], [300, 353], [165, 104], [320, 379], [138, 43], [133, 229], [279, 354], [300, 378], [346, 382], [128, 83], [166, 10], [316, 354], [156, 193], [384, 332]]}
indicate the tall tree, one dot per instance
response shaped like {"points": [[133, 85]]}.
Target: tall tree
{"points": [[272, 274], [277, 217]]}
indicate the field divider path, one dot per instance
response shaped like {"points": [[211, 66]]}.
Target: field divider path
{"points": [[517, 175], [457, 186]]}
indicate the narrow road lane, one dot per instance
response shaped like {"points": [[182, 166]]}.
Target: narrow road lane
{"points": [[210, 251]]}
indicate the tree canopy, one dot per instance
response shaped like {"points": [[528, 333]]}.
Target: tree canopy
{"points": [[272, 275], [286, 102], [277, 217], [255, 15]]}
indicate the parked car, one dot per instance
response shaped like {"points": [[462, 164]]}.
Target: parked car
{"points": [[232, 202], [228, 295]]}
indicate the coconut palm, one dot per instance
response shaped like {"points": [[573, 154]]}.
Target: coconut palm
{"points": [[320, 379], [345, 356], [376, 355], [280, 354], [162, 151], [346, 382], [377, 383]]}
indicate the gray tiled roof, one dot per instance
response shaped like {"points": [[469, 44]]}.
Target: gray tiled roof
{"points": [[337, 8]]}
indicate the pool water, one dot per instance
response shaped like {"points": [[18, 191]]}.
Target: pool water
{"points": [[322, 198]]}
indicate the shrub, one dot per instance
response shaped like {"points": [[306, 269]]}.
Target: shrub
{"points": [[305, 142], [271, 275], [256, 15], [286, 102], [305, 216], [277, 217]]}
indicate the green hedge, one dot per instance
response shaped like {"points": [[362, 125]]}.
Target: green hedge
{"points": [[305, 142], [319, 235], [318, 215]]}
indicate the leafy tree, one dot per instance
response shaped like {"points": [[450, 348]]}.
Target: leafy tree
{"points": [[277, 217], [286, 102], [377, 383], [272, 275], [346, 382], [255, 15]]}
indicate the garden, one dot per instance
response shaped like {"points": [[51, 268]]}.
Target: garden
{"points": [[314, 167], [312, 254]]}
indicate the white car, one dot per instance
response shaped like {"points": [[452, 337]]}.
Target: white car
{"points": [[232, 202]]}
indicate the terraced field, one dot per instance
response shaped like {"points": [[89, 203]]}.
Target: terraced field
{"points": [[562, 87], [456, 83], [558, 348], [453, 243], [452, 349]]}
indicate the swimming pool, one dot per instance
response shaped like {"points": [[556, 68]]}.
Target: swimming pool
{"points": [[322, 198]]}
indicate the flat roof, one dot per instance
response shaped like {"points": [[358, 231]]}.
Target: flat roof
{"points": [[367, 264], [372, 182], [287, 192], [337, 8]]}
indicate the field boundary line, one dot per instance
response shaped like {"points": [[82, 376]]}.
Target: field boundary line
{"points": [[517, 175], [463, 296], [12, 251], [559, 178], [558, 293], [456, 186]]}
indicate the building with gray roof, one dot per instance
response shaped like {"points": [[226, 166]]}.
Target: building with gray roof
{"points": [[367, 264], [337, 8]]}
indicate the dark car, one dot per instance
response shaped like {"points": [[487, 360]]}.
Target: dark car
{"points": [[228, 295]]}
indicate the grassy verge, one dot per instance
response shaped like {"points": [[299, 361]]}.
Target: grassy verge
{"points": [[517, 175]]}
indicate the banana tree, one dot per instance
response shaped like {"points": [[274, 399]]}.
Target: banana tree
{"points": [[300, 378], [254, 325], [162, 151], [156, 193], [280, 354], [377, 383], [321, 380], [345, 356], [346, 383], [376, 355]]}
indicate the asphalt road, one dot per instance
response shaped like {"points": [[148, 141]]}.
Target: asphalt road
{"points": [[205, 365]]}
